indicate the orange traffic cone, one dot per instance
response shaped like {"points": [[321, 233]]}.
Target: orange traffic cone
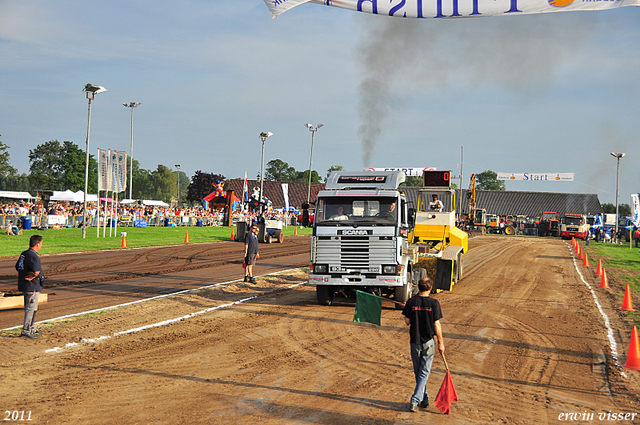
{"points": [[586, 260], [573, 242], [295, 231], [626, 303], [633, 357], [233, 236], [579, 252], [604, 282], [123, 244], [186, 237], [599, 270]]}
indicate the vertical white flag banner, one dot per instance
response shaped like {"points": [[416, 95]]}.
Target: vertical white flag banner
{"points": [[635, 209], [285, 193], [122, 171], [110, 172], [245, 188], [103, 169]]}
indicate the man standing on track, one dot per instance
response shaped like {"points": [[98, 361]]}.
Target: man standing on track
{"points": [[30, 279], [422, 313], [250, 253]]}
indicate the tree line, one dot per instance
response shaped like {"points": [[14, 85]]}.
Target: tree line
{"points": [[56, 165]]}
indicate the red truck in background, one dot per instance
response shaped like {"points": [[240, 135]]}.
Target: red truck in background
{"points": [[549, 224]]}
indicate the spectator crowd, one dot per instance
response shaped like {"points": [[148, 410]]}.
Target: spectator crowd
{"points": [[69, 214]]}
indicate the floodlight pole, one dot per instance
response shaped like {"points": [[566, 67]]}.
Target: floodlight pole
{"points": [[460, 191], [617, 156], [131, 105], [313, 132], [86, 168], [263, 137], [90, 91]]}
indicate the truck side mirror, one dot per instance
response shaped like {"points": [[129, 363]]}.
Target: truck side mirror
{"points": [[412, 217]]}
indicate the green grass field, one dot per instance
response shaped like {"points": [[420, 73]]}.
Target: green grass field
{"points": [[622, 265], [70, 240]]}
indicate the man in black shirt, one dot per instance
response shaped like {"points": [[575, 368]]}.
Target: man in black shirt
{"points": [[250, 253], [30, 278], [422, 313]]}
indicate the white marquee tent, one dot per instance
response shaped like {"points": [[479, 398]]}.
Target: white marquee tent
{"points": [[9, 194], [70, 196]]}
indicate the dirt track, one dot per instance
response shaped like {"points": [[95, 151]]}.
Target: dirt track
{"points": [[525, 343]]}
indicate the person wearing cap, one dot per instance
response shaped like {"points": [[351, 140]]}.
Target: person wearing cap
{"points": [[251, 253], [30, 279]]}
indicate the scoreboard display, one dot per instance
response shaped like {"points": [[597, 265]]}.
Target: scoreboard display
{"points": [[437, 179]]}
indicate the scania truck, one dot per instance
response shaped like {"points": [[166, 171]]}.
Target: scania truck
{"points": [[366, 237]]}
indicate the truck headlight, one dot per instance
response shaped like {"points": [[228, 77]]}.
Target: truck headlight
{"points": [[320, 268], [390, 269]]}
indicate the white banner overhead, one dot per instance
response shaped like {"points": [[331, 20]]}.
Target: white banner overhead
{"points": [[454, 8], [409, 172], [537, 177]]}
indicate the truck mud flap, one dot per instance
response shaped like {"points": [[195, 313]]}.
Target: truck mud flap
{"points": [[444, 275]]}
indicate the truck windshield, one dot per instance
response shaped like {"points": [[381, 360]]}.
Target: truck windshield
{"points": [[348, 211], [573, 221]]}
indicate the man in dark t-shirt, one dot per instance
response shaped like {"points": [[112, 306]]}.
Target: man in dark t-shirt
{"points": [[422, 314], [250, 253], [30, 278]]}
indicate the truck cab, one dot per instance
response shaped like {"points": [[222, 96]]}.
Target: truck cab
{"points": [[574, 225], [364, 237], [360, 237]]}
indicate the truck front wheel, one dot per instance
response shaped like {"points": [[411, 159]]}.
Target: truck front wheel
{"points": [[324, 294], [403, 293]]}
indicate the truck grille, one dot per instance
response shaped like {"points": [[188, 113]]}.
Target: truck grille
{"points": [[355, 252]]}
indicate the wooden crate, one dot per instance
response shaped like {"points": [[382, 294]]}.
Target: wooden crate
{"points": [[17, 301]]}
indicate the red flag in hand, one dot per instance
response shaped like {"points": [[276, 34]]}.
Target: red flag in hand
{"points": [[447, 392]]}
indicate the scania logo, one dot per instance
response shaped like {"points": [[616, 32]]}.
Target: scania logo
{"points": [[354, 232]]}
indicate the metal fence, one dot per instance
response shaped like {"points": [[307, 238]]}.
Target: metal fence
{"points": [[71, 221]]}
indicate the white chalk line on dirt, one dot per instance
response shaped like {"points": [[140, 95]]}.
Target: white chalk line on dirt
{"points": [[612, 341], [141, 301], [167, 322]]}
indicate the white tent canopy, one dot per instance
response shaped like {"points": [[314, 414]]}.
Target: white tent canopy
{"points": [[70, 196], [15, 195], [155, 203], [146, 202]]}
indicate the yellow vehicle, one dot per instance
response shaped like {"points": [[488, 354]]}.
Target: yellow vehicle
{"points": [[476, 219], [441, 245]]}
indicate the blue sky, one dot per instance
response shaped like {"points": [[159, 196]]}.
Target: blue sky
{"points": [[536, 93]]}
